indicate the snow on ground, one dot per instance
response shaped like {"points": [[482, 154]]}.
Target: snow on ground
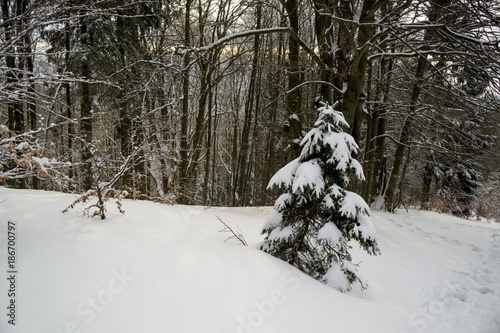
{"points": [[161, 268]]}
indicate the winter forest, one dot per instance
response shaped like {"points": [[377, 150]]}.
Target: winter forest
{"points": [[201, 102], [318, 134]]}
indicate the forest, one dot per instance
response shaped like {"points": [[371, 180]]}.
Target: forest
{"points": [[201, 102]]}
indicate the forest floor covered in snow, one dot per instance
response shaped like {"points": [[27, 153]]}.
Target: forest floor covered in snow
{"points": [[162, 268]]}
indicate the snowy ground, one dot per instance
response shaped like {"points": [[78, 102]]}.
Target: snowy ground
{"points": [[161, 268]]}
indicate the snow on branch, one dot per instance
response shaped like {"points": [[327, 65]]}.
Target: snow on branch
{"points": [[255, 32], [104, 191], [22, 156]]}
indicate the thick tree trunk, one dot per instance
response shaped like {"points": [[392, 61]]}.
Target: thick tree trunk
{"points": [[324, 36], [352, 98]]}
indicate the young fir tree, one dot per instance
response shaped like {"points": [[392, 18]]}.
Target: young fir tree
{"points": [[315, 218]]}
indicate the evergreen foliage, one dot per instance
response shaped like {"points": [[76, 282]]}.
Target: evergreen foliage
{"points": [[315, 218], [457, 171], [459, 187]]}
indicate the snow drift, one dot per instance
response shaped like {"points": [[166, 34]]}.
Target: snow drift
{"points": [[162, 268]]}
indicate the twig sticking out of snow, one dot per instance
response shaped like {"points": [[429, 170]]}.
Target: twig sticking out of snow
{"points": [[235, 235], [102, 195]]}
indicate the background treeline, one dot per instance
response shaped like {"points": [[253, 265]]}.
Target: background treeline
{"points": [[200, 102]]}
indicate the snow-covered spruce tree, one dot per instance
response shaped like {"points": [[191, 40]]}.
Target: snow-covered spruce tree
{"points": [[315, 218]]}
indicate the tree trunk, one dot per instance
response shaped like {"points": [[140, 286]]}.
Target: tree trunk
{"points": [[243, 167], [206, 181], [184, 196], [342, 54], [405, 135], [294, 97], [426, 186], [270, 150], [31, 101], [324, 36], [352, 98], [86, 113], [124, 128], [437, 10], [375, 145], [67, 88], [199, 129]]}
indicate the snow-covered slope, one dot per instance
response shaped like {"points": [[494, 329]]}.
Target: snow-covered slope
{"points": [[161, 268]]}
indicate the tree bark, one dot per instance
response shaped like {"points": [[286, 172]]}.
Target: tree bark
{"points": [[324, 36], [67, 90], [184, 143], [30, 68], [294, 96], [86, 111], [351, 108], [375, 142], [243, 167], [426, 186]]}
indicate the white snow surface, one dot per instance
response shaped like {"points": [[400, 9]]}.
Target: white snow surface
{"points": [[162, 268]]}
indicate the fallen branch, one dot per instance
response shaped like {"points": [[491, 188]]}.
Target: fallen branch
{"points": [[235, 235]]}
